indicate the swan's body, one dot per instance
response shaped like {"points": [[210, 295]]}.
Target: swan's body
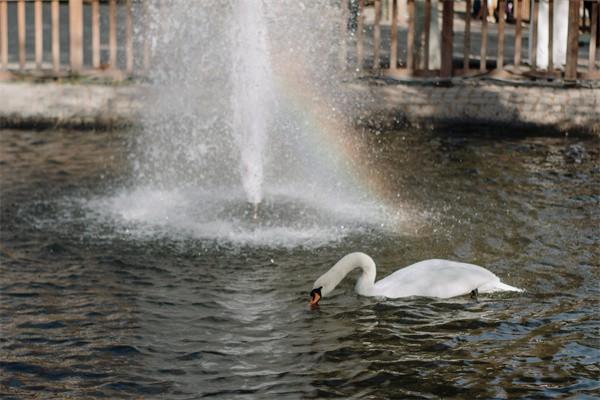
{"points": [[430, 278]]}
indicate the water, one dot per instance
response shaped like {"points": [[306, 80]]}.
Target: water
{"points": [[97, 305]]}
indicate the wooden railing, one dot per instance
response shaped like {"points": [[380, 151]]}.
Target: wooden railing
{"points": [[79, 48], [464, 63], [70, 51]]}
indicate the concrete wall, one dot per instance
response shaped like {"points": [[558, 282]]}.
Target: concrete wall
{"points": [[47, 105], [466, 103], [484, 103]]}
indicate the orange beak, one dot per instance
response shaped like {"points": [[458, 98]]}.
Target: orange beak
{"points": [[314, 300]]}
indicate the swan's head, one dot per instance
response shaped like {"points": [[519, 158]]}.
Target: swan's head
{"points": [[322, 287], [330, 279]]}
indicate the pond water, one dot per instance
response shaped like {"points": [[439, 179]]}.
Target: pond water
{"points": [[93, 306]]}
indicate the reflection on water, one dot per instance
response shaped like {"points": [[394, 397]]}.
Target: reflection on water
{"points": [[91, 308]]}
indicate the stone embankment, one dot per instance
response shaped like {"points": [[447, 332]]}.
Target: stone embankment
{"points": [[481, 103], [68, 105], [462, 103]]}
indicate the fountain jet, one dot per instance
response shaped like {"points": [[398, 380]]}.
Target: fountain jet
{"points": [[252, 94]]}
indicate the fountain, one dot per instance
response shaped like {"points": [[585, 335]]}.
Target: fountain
{"points": [[246, 110]]}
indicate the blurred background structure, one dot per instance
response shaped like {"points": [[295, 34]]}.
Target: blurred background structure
{"points": [[547, 39]]}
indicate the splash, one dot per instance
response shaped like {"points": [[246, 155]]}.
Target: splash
{"points": [[246, 108]]}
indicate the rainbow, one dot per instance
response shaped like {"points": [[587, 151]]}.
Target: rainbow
{"points": [[329, 132]]}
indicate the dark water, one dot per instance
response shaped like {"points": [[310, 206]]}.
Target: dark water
{"points": [[90, 311]]}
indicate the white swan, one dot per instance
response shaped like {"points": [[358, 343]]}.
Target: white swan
{"points": [[429, 278]]}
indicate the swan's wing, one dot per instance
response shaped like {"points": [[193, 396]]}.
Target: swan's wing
{"points": [[435, 278]]}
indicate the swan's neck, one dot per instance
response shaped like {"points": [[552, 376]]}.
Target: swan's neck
{"points": [[364, 284]]}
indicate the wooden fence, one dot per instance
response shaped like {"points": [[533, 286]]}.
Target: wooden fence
{"points": [[100, 41], [455, 64], [59, 50]]}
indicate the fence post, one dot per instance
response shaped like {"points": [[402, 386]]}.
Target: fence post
{"points": [[572, 41], [500, 56], [467, 38], [3, 33], [447, 36], [76, 34], [95, 34], [39, 38], [112, 33], [146, 34], [534, 34], [21, 32], [377, 35], [410, 37], [484, 37], [359, 34], [518, 39], [55, 35], [129, 37], [593, 36], [394, 36], [344, 35], [550, 35], [426, 29]]}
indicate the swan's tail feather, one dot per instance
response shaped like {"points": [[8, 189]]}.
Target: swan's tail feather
{"points": [[492, 287], [504, 287]]}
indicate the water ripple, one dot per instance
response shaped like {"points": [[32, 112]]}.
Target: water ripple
{"points": [[90, 311]]}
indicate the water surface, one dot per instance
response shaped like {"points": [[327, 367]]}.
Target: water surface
{"points": [[97, 306]]}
